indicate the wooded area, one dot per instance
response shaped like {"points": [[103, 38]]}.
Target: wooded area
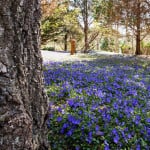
{"points": [[98, 24]]}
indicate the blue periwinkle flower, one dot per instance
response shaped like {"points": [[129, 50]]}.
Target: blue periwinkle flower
{"points": [[77, 148], [71, 102], [148, 120], [116, 139], [59, 119], [101, 102], [73, 120], [138, 147]]}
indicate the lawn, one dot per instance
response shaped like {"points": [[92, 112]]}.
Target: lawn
{"points": [[100, 103]]}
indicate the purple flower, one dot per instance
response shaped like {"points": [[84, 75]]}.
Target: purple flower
{"points": [[106, 147], [137, 119], [116, 139], [77, 148], [99, 133], [97, 128], [129, 136], [59, 109], [114, 131], [71, 102], [89, 138], [148, 131], [148, 120], [65, 125], [59, 119], [73, 120], [138, 147], [115, 105], [69, 133], [108, 117], [100, 94]]}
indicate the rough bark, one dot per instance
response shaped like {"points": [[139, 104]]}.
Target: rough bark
{"points": [[23, 102]]}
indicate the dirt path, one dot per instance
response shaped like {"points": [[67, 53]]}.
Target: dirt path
{"points": [[65, 56], [58, 56]]}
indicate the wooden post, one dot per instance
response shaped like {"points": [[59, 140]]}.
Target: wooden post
{"points": [[73, 46]]}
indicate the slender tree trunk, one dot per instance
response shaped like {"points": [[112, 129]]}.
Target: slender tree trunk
{"points": [[86, 39], [97, 43], [138, 44], [138, 29], [133, 48], [65, 40], [23, 102], [117, 39], [86, 26]]}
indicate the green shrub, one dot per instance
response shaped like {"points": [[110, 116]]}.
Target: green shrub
{"points": [[126, 48], [105, 44], [48, 48], [145, 48]]}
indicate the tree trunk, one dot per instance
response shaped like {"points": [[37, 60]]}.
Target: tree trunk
{"points": [[138, 29], [86, 39], [86, 26], [65, 40], [138, 44], [23, 102], [117, 39]]}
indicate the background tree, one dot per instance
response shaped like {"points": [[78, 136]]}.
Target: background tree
{"points": [[85, 17], [60, 27], [133, 15], [104, 15], [23, 103]]}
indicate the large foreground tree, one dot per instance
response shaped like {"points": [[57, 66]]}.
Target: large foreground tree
{"points": [[23, 103]]}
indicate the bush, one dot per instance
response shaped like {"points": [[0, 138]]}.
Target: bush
{"points": [[105, 44], [108, 44], [48, 48], [145, 48], [126, 49]]}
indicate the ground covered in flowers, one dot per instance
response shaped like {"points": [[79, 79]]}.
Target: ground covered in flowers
{"points": [[103, 103]]}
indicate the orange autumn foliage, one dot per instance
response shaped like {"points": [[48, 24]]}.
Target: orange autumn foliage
{"points": [[48, 7]]}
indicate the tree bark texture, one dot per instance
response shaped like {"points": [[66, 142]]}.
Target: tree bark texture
{"points": [[23, 102]]}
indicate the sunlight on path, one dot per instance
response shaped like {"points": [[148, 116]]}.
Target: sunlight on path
{"points": [[65, 56]]}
